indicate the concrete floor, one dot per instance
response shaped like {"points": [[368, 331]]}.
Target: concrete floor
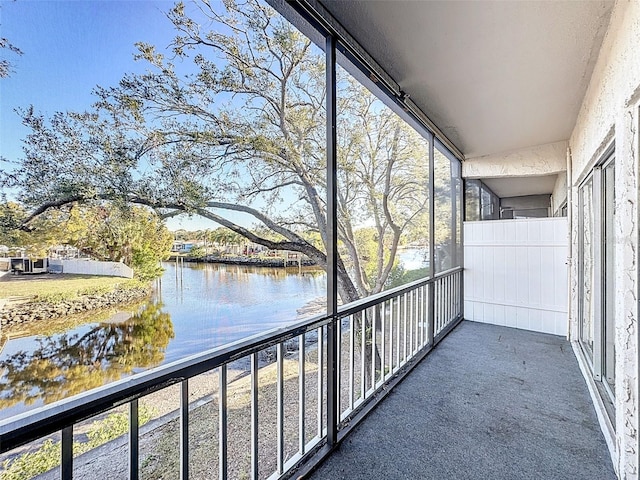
{"points": [[488, 403]]}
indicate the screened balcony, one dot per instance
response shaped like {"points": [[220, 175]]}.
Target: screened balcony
{"points": [[488, 402], [399, 384], [425, 397]]}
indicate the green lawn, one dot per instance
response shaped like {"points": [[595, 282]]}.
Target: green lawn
{"points": [[56, 287]]}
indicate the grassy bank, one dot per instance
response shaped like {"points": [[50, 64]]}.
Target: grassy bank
{"points": [[58, 288]]}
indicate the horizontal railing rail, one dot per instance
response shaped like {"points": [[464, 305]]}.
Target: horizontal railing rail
{"points": [[31, 425], [377, 337]]}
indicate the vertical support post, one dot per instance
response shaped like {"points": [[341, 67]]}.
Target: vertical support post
{"points": [[301, 395], [463, 214], [432, 240], [134, 440], [332, 244], [66, 464], [184, 429], [280, 408], [222, 422], [454, 178], [254, 416]]}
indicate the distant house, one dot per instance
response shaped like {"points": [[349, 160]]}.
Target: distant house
{"points": [[29, 265], [64, 251]]}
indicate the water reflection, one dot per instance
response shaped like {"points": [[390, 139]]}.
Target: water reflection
{"points": [[213, 304], [66, 364], [194, 307]]}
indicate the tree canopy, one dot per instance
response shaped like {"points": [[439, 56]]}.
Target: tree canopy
{"points": [[231, 120], [135, 236]]}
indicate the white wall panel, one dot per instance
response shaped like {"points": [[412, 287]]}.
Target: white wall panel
{"points": [[516, 273], [93, 267]]}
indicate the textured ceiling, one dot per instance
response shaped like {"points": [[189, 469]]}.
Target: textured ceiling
{"points": [[493, 76], [521, 186]]}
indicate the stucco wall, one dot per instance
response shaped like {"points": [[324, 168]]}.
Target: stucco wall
{"points": [[539, 160], [559, 195], [609, 114]]}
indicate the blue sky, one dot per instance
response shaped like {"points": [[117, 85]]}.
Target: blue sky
{"points": [[69, 48]]}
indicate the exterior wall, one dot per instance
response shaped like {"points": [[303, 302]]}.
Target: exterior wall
{"points": [[559, 195], [90, 267], [610, 114], [516, 273], [540, 160]]}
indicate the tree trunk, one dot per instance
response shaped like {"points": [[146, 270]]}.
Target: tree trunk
{"points": [[348, 293]]}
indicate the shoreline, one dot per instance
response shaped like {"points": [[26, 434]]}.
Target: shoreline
{"points": [[14, 314], [269, 262]]}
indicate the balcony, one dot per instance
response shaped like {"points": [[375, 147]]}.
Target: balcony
{"points": [[488, 402]]}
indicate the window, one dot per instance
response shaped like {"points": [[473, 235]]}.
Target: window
{"points": [[609, 211], [472, 200], [480, 202], [587, 267], [596, 248], [446, 184]]}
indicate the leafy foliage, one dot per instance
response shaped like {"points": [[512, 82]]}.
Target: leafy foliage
{"points": [[242, 129], [6, 65], [197, 252], [107, 231], [134, 236], [67, 364], [47, 456]]}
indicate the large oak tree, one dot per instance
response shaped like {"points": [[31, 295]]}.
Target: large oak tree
{"points": [[233, 120]]}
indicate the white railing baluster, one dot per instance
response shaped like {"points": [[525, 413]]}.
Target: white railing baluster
{"points": [[363, 355], [184, 429], [397, 299], [222, 422], [301, 395], [352, 361], [404, 308], [373, 315], [383, 325], [280, 406], [254, 416], [320, 351]]}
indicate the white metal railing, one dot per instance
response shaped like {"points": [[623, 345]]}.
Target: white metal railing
{"points": [[378, 338]]}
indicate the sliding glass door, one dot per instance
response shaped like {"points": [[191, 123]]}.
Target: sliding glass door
{"points": [[596, 247]]}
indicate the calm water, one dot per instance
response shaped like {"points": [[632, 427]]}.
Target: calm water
{"points": [[194, 308]]}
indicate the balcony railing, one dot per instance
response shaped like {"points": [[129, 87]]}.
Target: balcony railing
{"points": [[380, 338]]}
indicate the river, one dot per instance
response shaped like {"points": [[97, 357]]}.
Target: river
{"points": [[194, 307]]}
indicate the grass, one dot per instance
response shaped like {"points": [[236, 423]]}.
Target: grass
{"points": [[58, 287], [31, 464]]}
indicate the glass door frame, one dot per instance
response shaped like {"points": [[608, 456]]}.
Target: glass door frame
{"points": [[596, 357]]}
